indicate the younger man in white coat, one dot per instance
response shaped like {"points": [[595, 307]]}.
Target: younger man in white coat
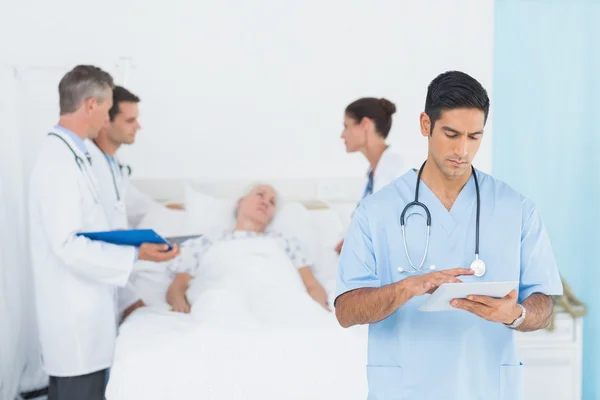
{"points": [[124, 204], [75, 278]]}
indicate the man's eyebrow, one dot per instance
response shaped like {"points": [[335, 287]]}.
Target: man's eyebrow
{"points": [[448, 129]]}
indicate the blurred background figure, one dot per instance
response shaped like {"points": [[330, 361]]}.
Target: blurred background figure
{"points": [[367, 124]]}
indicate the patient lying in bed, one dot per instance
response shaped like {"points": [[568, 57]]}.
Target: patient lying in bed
{"points": [[246, 271]]}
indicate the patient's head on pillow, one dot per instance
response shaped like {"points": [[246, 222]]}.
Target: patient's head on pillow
{"points": [[256, 208]]}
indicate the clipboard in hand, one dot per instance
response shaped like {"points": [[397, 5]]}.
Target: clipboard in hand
{"points": [[131, 237]]}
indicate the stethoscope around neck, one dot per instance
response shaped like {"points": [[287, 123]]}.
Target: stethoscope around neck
{"points": [[82, 167], [478, 266], [111, 167]]}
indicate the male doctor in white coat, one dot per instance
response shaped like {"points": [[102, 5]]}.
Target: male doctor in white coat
{"points": [[75, 279], [124, 204]]}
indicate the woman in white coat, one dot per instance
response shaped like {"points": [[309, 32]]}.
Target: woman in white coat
{"points": [[75, 279], [367, 123]]}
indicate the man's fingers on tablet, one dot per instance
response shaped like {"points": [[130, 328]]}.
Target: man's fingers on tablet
{"points": [[459, 271]]}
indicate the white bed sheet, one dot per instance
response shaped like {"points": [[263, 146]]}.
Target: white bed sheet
{"points": [[166, 355], [163, 355]]}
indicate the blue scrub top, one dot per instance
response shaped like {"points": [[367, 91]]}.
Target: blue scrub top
{"points": [[450, 354]]}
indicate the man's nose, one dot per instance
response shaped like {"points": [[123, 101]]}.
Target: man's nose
{"points": [[462, 147]]}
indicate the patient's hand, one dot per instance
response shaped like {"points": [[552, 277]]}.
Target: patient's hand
{"points": [[176, 294], [313, 287], [318, 293]]}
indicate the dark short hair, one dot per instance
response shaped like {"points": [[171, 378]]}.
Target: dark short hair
{"points": [[452, 90], [121, 95], [378, 110], [81, 83]]}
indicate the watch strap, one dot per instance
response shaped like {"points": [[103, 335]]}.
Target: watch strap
{"points": [[520, 319]]}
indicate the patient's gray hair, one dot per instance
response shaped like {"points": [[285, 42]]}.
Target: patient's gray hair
{"points": [[251, 187]]}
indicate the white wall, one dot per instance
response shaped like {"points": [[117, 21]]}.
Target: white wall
{"points": [[235, 89]]}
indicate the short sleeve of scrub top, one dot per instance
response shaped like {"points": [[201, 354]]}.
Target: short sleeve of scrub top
{"points": [[539, 272], [357, 267]]}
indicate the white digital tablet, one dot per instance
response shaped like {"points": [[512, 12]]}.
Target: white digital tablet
{"points": [[441, 298]]}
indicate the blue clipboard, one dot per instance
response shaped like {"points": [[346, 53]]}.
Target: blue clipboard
{"points": [[131, 237]]}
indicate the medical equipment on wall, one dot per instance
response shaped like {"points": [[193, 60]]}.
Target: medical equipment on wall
{"points": [[82, 167], [478, 266]]}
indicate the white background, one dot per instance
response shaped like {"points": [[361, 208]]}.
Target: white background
{"points": [[235, 89], [230, 89]]}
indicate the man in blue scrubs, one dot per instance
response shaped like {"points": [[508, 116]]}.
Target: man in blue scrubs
{"points": [[470, 352]]}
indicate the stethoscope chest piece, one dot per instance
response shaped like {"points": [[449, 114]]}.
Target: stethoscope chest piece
{"points": [[478, 266]]}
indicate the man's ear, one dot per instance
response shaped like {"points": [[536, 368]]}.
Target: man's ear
{"points": [[425, 124], [89, 105]]}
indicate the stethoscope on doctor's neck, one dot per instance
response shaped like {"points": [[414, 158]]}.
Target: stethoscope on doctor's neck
{"points": [[478, 266], [82, 167], [112, 164]]}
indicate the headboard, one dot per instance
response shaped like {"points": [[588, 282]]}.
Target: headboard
{"points": [[312, 192]]}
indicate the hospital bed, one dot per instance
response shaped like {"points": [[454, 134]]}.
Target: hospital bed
{"points": [[163, 355]]}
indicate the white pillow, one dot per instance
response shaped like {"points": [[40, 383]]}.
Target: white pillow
{"points": [[165, 221], [327, 229], [206, 213]]}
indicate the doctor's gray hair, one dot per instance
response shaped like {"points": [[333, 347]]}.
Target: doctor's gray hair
{"points": [[81, 83]]}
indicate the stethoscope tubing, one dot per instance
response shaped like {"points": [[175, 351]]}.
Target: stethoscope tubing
{"points": [[417, 203], [82, 167]]}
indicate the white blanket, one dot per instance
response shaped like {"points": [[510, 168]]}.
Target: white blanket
{"points": [[251, 282], [254, 333]]}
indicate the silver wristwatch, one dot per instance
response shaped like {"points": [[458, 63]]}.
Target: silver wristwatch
{"points": [[519, 320]]}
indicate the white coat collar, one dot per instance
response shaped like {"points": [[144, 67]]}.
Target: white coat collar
{"points": [[71, 143], [387, 151]]}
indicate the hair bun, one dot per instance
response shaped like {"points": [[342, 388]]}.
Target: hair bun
{"points": [[388, 106]]}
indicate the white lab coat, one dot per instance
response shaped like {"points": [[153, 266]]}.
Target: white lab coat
{"points": [[123, 203], [75, 279], [389, 167]]}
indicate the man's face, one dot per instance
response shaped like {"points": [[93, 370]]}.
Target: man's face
{"points": [[125, 125], [455, 140]]}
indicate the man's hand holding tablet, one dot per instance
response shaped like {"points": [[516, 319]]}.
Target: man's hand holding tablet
{"points": [[418, 285]]}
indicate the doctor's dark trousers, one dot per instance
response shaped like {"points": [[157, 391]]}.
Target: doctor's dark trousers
{"points": [[82, 387]]}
